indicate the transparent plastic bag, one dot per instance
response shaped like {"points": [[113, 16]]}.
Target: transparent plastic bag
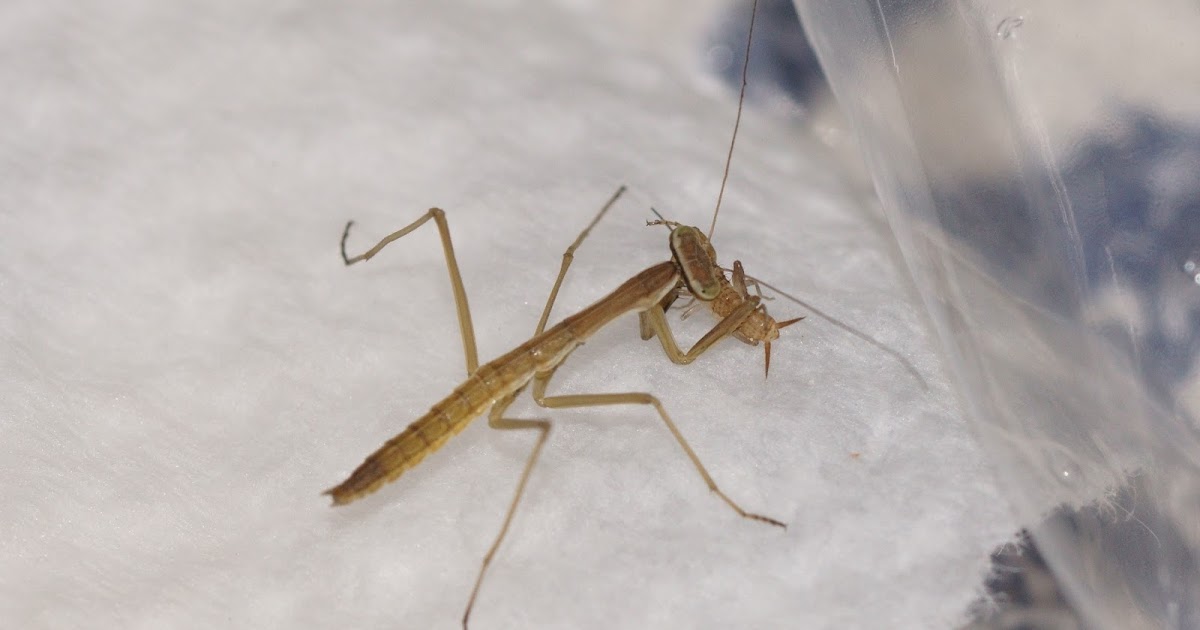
{"points": [[1040, 167]]}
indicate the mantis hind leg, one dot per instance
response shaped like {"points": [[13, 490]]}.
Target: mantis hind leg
{"points": [[466, 328], [497, 421], [541, 381]]}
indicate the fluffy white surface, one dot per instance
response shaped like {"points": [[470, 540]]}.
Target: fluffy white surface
{"points": [[187, 364]]}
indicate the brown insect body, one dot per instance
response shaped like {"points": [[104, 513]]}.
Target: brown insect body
{"points": [[491, 387], [706, 281], [759, 327], [500, 378]]}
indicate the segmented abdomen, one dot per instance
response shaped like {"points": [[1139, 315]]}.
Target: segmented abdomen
{"points": [[500, 378], [757, 327], [449, 417]]}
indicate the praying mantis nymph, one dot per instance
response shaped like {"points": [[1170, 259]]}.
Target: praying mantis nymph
{"points": [[692, 271]]}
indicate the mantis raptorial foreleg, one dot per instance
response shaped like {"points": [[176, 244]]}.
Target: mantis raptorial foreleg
{"points": [[654, 322]]}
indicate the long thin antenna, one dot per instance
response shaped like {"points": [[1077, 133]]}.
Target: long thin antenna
{"points": [[905, 363], [736, 121]]}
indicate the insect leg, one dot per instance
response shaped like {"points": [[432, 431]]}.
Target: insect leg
{"points": [[653, 321], [466, 328], [639, 398], [497, 421], [569, 256]]}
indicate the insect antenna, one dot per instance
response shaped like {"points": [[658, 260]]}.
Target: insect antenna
{"points": [[737, 121], [908, 366]]}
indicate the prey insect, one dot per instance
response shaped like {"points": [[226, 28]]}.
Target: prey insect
{"points": [[724, 295], [731, 292]]}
